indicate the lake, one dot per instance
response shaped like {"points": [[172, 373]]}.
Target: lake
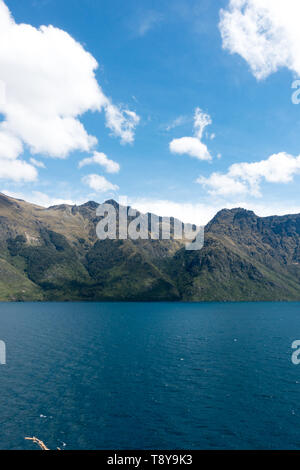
{"points": [[150, 375]]}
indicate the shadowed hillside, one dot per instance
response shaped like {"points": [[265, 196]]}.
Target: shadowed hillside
{"points": [[54, 254]]}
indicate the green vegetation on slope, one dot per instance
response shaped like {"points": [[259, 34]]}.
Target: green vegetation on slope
{"points": [[54, 254]]}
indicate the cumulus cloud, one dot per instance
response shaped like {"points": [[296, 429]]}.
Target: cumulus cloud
{"points": [[122, 123], [222, 184], [198, 213], [99, 183], [42, 199], [49, 82], [17, 170], [246, 178], [37, 163], [10, 146], [193, 146], [264, 32], [201, 213], [201, 121], [187, 212], [102, 160], [179, 121]]}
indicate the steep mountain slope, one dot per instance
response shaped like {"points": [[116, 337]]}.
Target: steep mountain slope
{"points": [[54, 254], [15, 286], [245, 257], [58, 251]]}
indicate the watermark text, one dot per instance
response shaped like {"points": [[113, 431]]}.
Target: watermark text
{"points": [[2, 353], [124, 223]]}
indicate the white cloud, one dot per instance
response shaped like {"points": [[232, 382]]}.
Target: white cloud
{"points": [[179, 121], [99, 183], [188, 212], [147, 21], [265, 33], [121, 122], [41, 199], [101, 159], [17, 170], [201, 213], [246, 178], [201, 121], [49, 82], [193, 146], [222, 184], [37, 163], [10, 146]]}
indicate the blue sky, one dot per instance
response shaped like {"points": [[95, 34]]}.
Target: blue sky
{"points": [[163, 61]]}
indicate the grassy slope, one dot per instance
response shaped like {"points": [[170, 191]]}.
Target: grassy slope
{"points": [[14, 286], [53, 254]]}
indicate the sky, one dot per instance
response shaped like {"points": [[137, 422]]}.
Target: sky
{"points": [[179, 107]]}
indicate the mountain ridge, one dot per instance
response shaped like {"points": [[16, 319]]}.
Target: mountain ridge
{"points": [[54, 254]]}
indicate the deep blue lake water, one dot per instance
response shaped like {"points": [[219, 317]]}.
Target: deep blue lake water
{"points": [[150, 376]]}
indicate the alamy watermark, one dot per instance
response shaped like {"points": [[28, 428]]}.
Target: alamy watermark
{"points": [[296, 94], [296, 353], [2, 353], [123, 222]]}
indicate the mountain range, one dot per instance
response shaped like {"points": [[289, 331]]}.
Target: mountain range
{"points": [[53, 254]]}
